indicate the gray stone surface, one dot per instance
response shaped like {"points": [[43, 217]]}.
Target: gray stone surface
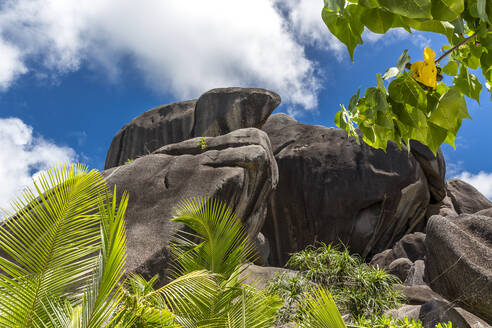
{"points": [[466, 199], [419, 294], [436, 311], [258, 276], [332, 189], [434, 168], [153, 129], [411, 246], [416, 274], [216, 112], [237, 168], [400, 267], [459, 261], [220, 111]]}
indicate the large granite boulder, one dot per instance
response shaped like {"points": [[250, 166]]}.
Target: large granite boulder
{"points": [[153, 129], [237, 168], [217, 112], [332, 189], [220, 111], [434, 168], [466, 198], [438, 311], [459, 261]]}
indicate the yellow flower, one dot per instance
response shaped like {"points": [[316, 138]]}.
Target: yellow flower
{"points": [[425, 71]]}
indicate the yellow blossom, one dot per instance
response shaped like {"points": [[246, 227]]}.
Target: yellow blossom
{"points": [[425, 71]]}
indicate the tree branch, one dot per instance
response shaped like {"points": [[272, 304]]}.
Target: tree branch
{"points": [[465, 41]]}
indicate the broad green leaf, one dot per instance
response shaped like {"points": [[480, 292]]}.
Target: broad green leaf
{"points": [[447, 10], [381, 84], [378, 20], [408, 8], [436, 26], [435, 136], [459, 25], [451, 109], [353, 102], [335, 5], [482, 10], [346, 28], [468, 84], [369, 3], [384, 120], [405, 90], [405, 114], [451, 68], [376, 99]]}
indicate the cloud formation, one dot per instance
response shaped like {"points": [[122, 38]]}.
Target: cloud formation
{"points": [[23, 156], [482, 181], [181, 47]]}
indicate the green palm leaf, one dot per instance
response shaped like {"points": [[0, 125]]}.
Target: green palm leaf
{"points": [[319, 310], [222, 242], [48, 244]]}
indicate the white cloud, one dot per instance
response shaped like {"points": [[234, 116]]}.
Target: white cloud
{"points": [[304, 20], [181, 47], [11, 65], [23, 156], [482, 181]]}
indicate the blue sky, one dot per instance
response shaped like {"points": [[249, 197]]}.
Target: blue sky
{"points": [[72, 74]]}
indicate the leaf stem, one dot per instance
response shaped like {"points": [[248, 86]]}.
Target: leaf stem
{"points": [[465, 41]]}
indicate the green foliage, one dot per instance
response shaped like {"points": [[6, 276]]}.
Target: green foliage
{"points": [[292, 288], [129, 161], [223, 244], [358, 289], [202, 143], [319, 310], [406, 111], [390, 322]]}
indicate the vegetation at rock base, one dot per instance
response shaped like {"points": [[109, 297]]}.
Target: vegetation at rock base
{"points": [[357, 288], [417, 104]]}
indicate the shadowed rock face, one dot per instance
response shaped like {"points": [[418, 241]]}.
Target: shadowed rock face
{"points": [[153, 129], [237, 168], [434, 168], [459, 261], [332, 189], [217, 112], [220, 111], [466, 199]]}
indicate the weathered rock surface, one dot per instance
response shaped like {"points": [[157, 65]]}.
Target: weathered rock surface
{"points": [[153, 129], [237, 168], [416, 273], [411, 246], [217, 112], [434, 168], [466, 199], [258, 276], [220, 111], [332, 189], [443, 208], [459, 261], [400, 268], [485, 212], [435, 311], [419, 294]]}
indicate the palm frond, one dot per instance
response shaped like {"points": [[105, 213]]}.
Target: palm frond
{"points": [[223, 244], [48, 243], [318, 310], [104, 295]]}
